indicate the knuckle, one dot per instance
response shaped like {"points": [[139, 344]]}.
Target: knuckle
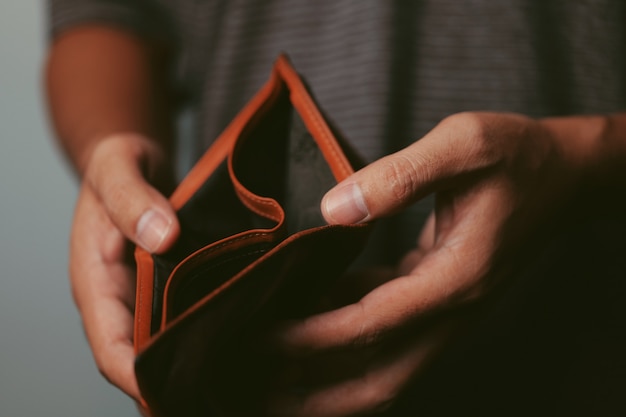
{"points": [[480, 137], [123, 206], [117, 200], [400, 177], [369, 334], [107, 149], [366, 337], [473, 125], [109, 154], [115, 193]]}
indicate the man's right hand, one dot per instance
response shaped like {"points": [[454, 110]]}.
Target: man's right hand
{"points": [[116, 205]]}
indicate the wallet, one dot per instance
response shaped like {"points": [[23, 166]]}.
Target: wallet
{"points": [[254, 250]]}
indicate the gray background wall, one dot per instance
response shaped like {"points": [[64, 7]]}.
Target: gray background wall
{"points": [[46, 367]]}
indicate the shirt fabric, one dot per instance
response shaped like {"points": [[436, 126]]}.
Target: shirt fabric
{"points": [[385, 71]]}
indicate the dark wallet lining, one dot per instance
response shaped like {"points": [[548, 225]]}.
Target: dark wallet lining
{"points": [[242, 266], [279, 146]]}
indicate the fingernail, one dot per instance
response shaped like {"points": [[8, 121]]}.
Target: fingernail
{"points": [[152, 230], [345, 204]]}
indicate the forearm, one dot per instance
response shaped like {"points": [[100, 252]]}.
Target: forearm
{"points": [[102, 81]]}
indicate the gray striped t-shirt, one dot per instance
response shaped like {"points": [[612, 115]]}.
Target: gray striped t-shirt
{"points": [[385, 71]]}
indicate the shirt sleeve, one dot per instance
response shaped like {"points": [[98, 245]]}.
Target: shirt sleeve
{"points": [[145, 18]]}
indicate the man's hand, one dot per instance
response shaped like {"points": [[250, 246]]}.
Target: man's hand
{"points": [[116, 204], [108, 93], [495, 177]]}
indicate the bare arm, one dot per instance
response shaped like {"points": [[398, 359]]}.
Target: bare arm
{"points": [[102, 81], [109, 105]]}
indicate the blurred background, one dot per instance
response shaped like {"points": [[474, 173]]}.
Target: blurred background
{"points": [[46, 368]]}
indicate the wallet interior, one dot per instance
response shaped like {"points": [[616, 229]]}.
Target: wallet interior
{"points": [[274, 157], [254, 251]]}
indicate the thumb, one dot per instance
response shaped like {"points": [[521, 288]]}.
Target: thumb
{"points": [[381, 188], [398, 180], [140, 211]]}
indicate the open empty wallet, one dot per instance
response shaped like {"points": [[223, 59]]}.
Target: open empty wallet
{"points": [[254, 250]]}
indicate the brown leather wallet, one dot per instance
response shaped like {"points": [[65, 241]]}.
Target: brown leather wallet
{"points": [[253, 249]]}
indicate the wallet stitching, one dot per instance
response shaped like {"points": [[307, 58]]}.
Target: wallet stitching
{"points": [[224, 261], [242, 190], [140, 297], [196, 276], [310, 108], [207, 251], [321, 128], [142, 270]]}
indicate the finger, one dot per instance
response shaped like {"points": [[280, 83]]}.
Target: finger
{"points": [[426, 239], [357, 325], [374, 388], [104, 292], [352, 286], [140, 212], [395, 181], [425, 243], [451, 273]]}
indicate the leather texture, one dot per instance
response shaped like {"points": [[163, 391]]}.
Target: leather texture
{"points": [[254, 250]]}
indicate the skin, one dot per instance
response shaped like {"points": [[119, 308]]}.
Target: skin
{"points": [[110, 115], [495, 176]]}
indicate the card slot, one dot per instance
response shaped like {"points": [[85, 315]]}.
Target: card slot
{"points": [[219, 256], [208, 276], [205, 342]]}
